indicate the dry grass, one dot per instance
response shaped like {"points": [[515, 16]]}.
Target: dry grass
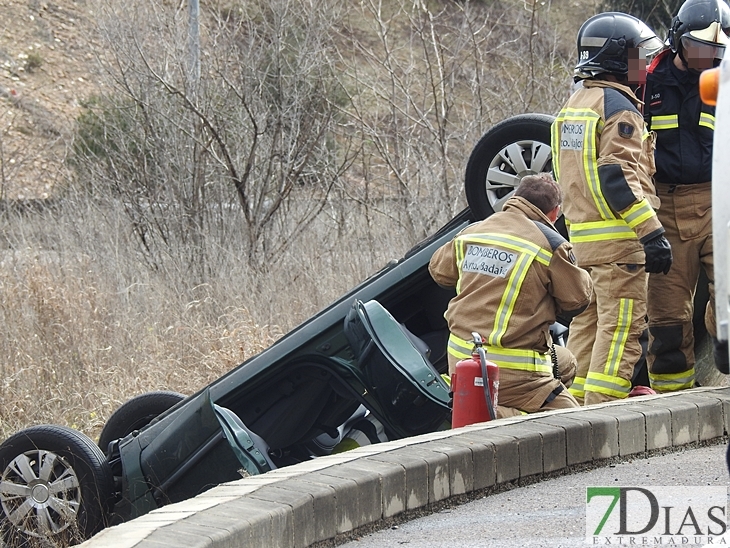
{"points": [[87, 326], [76, 345]]}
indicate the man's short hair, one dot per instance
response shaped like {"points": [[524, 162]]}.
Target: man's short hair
{"points": [[540, 190]]}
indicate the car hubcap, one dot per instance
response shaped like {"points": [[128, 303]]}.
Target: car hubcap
{"points": [[40, 493], [511, 164]]}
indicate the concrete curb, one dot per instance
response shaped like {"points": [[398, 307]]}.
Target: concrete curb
{"points": [[323, 499]]}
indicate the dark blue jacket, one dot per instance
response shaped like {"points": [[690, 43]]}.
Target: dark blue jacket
{"points": [[683, 123]]}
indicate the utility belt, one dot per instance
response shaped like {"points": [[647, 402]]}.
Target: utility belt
{"points": [[506, 358], [554, 394]]}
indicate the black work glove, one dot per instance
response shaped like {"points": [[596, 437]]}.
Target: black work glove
{"points": [[658, 255]]}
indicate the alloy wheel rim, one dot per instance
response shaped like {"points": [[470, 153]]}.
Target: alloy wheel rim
{"points": [[40, 493], [511, 164]]}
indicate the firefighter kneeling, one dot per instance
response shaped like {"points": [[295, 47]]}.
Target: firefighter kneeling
{"points": [[513, 273]]}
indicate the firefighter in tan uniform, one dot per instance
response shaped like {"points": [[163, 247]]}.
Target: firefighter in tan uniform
{"points": [[684, 126], [513, 273], [603, 159]]}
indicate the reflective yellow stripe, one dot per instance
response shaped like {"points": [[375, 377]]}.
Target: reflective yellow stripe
{"points": [[459, 348], [555, 148], [522, 360], [669, 382], [659, 123], [638, 213], [509, 297], [618, 229], [505, 240], [507, 358], [645, 134], [605, 384], [620, 335], [594, 127], [459, 251], [597, 231], [577, 389], [707, 120], [669, 121], [527, 252]]}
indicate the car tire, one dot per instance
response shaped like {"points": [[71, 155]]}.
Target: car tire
{"points": [[56, 487], [513, 148], [136, 414]]}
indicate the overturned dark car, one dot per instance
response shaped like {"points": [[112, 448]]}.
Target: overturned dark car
{"points": [[378, 351]]}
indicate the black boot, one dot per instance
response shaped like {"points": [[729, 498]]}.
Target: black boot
{"points": [[720, 353]]}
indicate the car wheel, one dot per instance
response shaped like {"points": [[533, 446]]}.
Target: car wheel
{"points": [[136, 414], [513, 148], [56, 487]]}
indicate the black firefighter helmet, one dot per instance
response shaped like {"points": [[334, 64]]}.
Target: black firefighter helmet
{"points": [[605, 41], [703, 24]]}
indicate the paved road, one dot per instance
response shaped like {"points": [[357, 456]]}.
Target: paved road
{"points": [[550, 514]]}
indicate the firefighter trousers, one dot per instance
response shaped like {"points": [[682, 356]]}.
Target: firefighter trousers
{"points": [[686, 215], [523, 392], [605, 337]]}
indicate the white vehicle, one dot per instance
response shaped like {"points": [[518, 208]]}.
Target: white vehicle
{"points": [[715, 86]]}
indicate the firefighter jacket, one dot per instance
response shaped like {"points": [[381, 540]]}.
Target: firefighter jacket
{"points": [[513, 273], [684, 125], [603, 158]]}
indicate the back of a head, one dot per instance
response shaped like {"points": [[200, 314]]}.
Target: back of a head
{"points": [[540, 190], [604, 43], [702, 23]]}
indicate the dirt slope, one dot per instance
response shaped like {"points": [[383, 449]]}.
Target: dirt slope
{"points": [[46, 61]]}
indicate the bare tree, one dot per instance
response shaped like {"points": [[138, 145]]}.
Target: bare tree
{"points": [[360, 117], [422, 86], [230, 149]]}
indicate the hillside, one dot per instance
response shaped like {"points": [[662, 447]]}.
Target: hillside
{"points": [[46, 55]]}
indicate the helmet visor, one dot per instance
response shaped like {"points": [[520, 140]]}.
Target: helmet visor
{"points": [[652, 45], [714, 33], [701, 55]]}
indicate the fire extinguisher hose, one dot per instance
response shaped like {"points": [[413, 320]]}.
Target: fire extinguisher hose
{"points": [[485, 380]]}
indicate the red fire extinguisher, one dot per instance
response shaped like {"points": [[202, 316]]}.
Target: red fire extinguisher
{"points": [[474, 384]]}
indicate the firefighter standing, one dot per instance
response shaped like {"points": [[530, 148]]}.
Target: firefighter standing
{"points": [[603, 158], [684, 127], [513, 273]]}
